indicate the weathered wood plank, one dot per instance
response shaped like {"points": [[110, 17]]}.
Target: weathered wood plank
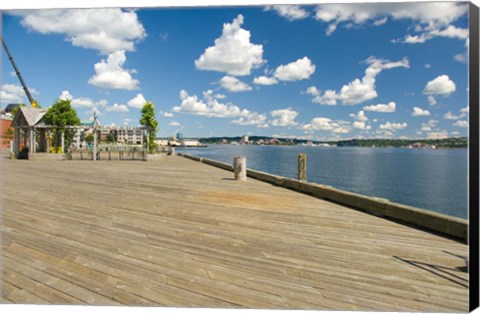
{"points": [[180, 233]]}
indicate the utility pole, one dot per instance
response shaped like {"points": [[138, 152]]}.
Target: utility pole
{"points": [[30, 99]]}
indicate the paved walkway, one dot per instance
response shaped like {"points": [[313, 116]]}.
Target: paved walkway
{"points": [[184, 234]]}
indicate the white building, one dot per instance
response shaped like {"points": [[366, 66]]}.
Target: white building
{"points": [[129, 135], [120, 134]]}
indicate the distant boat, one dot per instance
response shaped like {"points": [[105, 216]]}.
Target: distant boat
{"points": [[190, 143]]}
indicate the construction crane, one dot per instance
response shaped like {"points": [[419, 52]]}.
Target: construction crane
{"points": [[33, 102]]}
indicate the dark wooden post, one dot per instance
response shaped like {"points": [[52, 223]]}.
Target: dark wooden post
{"points": [[302, 167], [240, 168]]}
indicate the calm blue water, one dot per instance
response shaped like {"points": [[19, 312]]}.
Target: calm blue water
{"points": [[431, 179]]}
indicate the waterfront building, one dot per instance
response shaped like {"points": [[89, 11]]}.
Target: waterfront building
{"points": [[6, 131], [120, 134], [162, 141], [81, 132], [274, 141], [129, 135]]}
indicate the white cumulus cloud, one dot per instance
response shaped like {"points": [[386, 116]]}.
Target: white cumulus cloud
{"points": [[432, 18], [65, 95], [432, 101], [449, 32], [360, 116], [358, 91], [253, 118], [427, 127], [361, 121], [233, 53], [324, 124], [393, 126], [284, 117], [390, 107], [111, 74], [298, 70], [137, 102], [461, 123], [361, 125], [441, 85], [419, 112], [117, 108], [437, 135], [174, 123], [312, 90], [461, 57], [10, 93], [264, 80], [450, 116], [290, 12], [168, 115], [82, 102], [208, 106], [107, 30], [233, 84]]}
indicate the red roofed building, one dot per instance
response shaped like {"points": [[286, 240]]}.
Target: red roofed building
{"points": [[6, 132]]}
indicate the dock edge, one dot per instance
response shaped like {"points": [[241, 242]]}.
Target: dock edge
{"points": [[417, 217]]}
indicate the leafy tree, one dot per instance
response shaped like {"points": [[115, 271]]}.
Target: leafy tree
{"points": [[109, 138], [89, 138], [149, 121], [61, 115], [8, 136]]}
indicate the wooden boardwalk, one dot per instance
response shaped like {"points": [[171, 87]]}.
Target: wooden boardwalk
{"points": [[184, 234]]}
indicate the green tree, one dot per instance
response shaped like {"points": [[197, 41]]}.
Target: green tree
{"points": [[8, 136], [149, 121], [89, 138], [61, 115], [109, 138]]}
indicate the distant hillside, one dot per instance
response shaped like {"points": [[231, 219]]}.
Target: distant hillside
{"points": [[453, 142]]}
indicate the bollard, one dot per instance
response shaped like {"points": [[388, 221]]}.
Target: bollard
{"points": [[240, 168], [12, 150], [302, 167]]}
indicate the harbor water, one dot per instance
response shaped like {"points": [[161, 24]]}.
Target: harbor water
{"points": [[435, 180]]}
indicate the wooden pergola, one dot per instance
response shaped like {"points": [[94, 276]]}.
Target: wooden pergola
{"points": [[28, 123]]}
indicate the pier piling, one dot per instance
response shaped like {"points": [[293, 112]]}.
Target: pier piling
{"points": [[240, 168], [302, 167]]}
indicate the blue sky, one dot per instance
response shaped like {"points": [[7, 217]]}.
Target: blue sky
{"points": [[328, 71]]}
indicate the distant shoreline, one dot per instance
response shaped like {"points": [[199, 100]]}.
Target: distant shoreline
{"points": [[452, 142]]}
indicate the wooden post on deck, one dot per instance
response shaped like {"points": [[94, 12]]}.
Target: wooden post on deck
{"points": [[302, 167], [240, 168], [94, 152], [63, 142], [12, 149]]}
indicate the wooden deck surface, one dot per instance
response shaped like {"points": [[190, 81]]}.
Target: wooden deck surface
{"points": [[183, 234]]}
